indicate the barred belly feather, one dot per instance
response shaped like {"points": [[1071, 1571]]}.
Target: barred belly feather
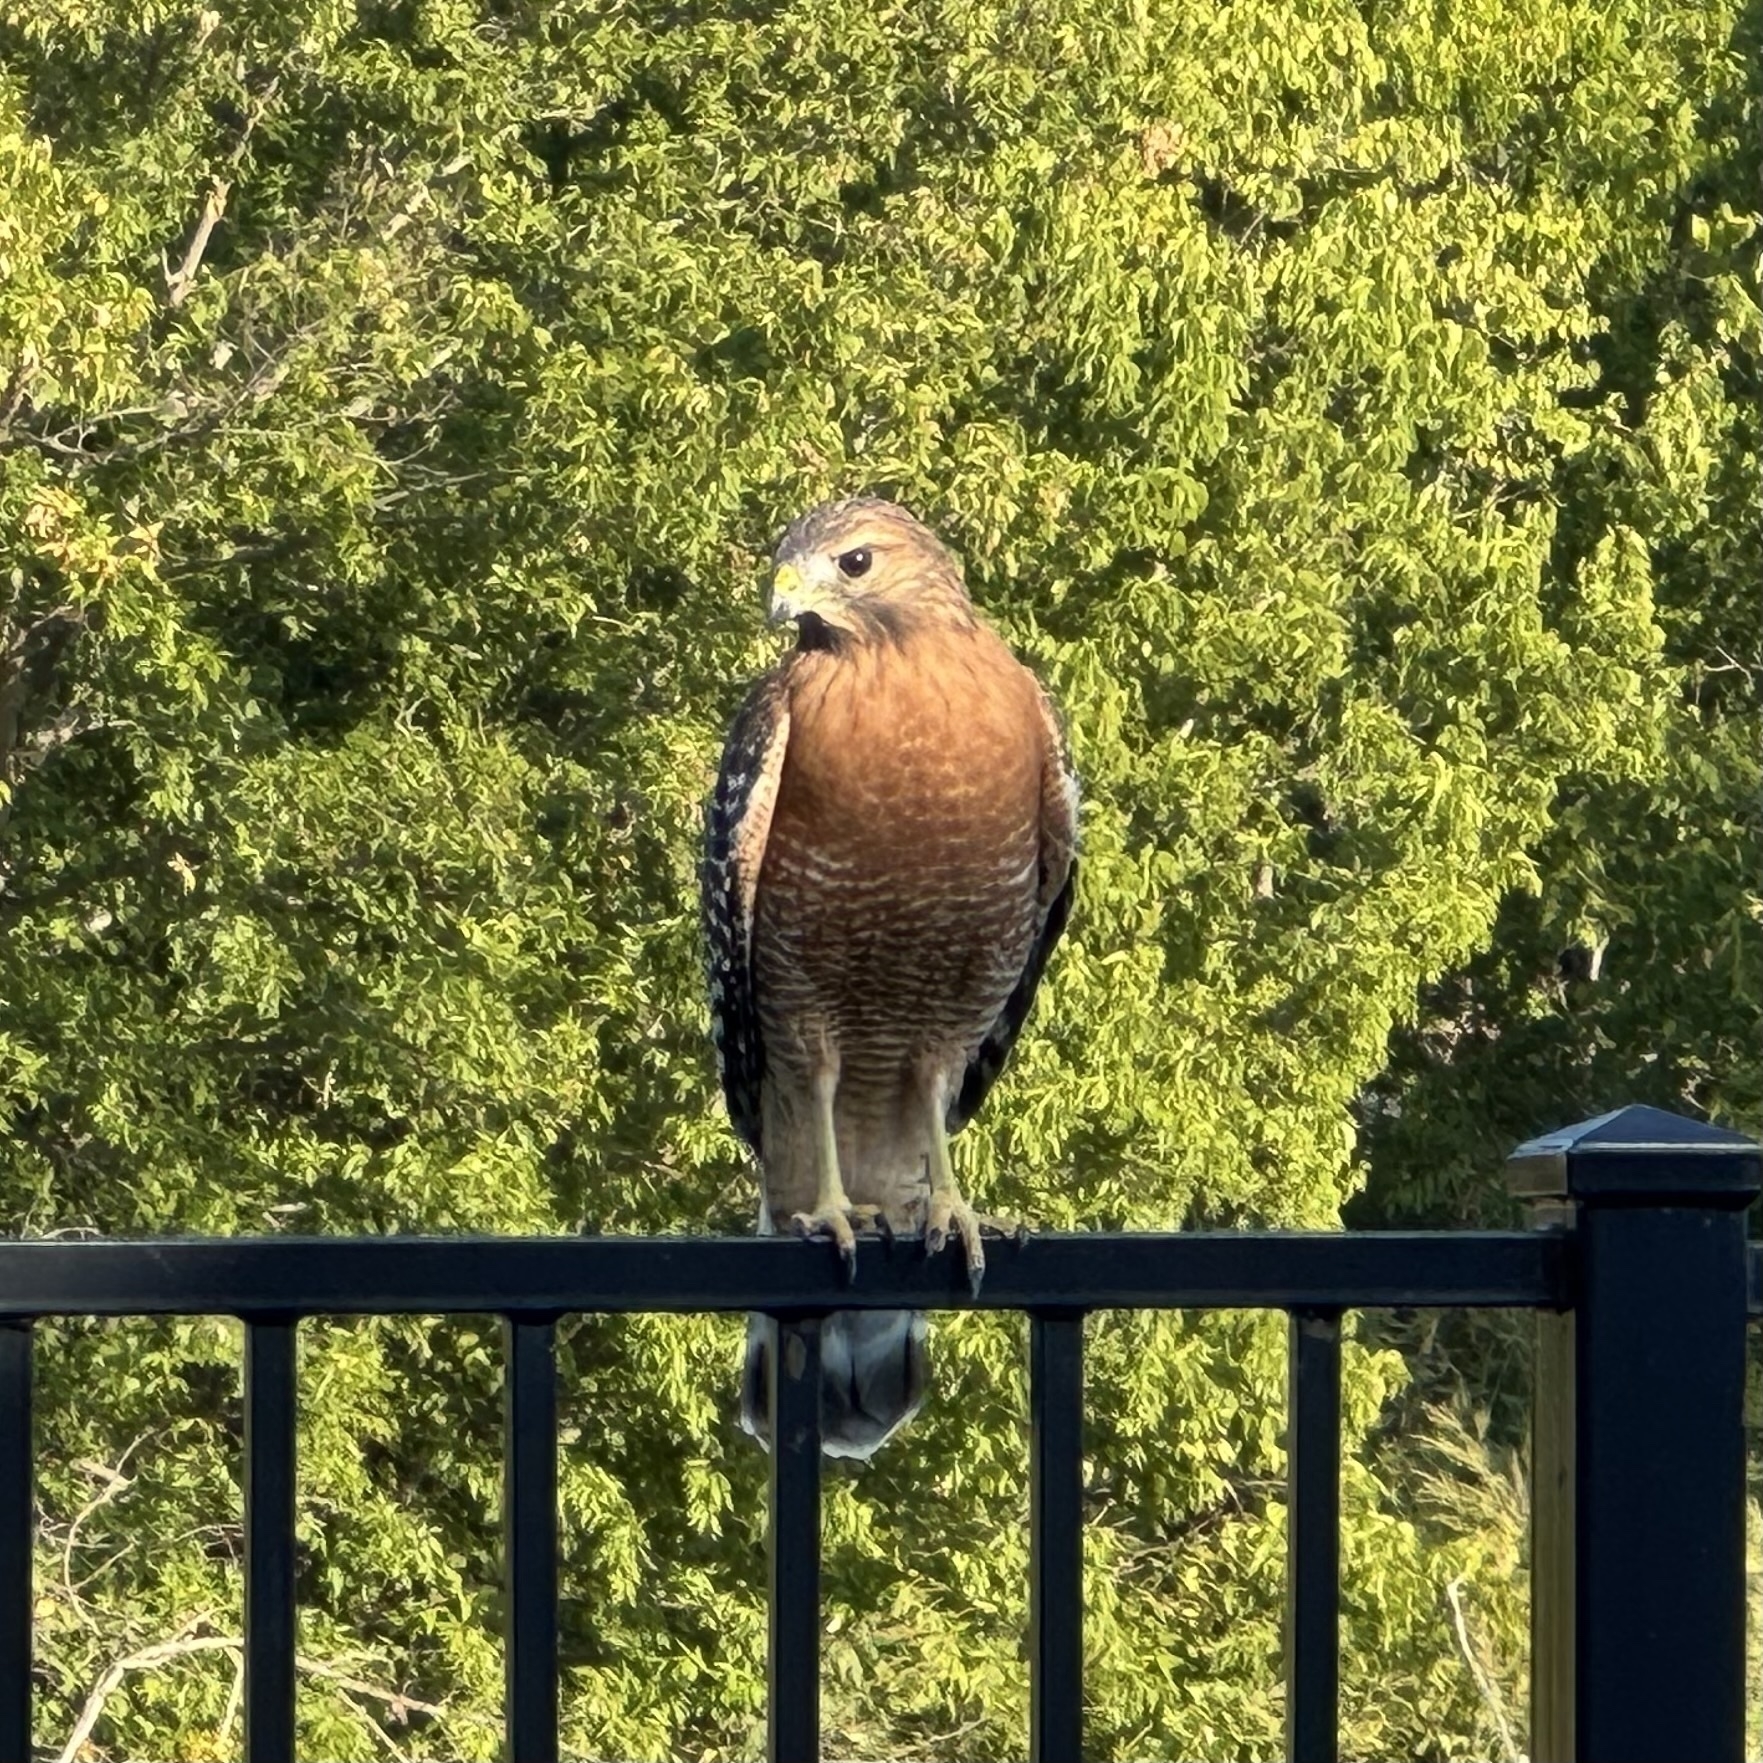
{"points": [[898, 899]]}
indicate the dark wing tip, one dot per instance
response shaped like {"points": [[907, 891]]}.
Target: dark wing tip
{"points": [[734, 1006], [988, 1062]]}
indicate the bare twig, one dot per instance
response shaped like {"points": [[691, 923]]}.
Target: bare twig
{"points": [[144, 1660], [1730, 663], [391, 1746], [178, 281], [115, 1483], [237, 558], [399, 1706], [1489, 1690], [70, 442], [68, 725], [235, 1699]]}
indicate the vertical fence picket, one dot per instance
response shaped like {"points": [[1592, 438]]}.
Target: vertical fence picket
{"points": [[1056, 1556], [793, 1659], [1313, 1537], [269, 1541], [529, 1530], [17, 1522]]}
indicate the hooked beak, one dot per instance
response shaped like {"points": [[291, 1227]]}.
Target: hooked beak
{"points": [[791, 596]]}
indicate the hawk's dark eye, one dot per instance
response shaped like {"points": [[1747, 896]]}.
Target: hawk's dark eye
{"points": [[855, 563]]}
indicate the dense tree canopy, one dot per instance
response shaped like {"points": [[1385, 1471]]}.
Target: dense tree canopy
{"points": [[1350, 409]]}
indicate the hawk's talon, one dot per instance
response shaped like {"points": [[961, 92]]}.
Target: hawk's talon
{"points": [[835, 1224], [949, 1213]]}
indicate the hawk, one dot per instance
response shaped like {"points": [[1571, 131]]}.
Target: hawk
{"points": [[889, 859]]}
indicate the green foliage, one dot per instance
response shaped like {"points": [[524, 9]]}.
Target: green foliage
{"points": [[1349, 409]]}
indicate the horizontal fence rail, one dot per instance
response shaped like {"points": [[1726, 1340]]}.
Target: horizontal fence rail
{"points": [[253, 1277], [1638, 1270], [1056, 1280]]}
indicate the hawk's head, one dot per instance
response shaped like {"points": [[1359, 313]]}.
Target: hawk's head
{"points": [[864, 569]]}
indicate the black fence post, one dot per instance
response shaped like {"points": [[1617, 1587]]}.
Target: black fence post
{"points": [[1638, 1506], [793, 1652], [1313, 1537], [271, 1614], [529, 1538], [1055, 1536], [18, 1524]]}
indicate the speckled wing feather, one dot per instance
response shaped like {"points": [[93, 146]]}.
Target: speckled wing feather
{"points": [[737, 824], [1058, 881]]}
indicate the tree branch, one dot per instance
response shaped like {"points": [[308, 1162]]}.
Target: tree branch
{"points": [[399, 1706], [178, 281], [144, 1660], [115, 1482]]}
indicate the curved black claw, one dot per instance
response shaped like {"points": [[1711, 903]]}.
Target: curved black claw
{"points": [[832, 1224], [951, 1217]]}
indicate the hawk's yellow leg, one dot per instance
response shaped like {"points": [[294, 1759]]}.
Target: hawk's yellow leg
{"points": [[949, 1213], [833, 1216]]}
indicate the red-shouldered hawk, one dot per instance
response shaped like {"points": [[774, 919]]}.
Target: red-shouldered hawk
{"points": [[890, 856]]}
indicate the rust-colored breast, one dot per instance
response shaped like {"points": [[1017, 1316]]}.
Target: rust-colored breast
{"points": [[897, 902]]}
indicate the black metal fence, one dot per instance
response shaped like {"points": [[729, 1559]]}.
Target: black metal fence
{"points": [[1638, 1266]]}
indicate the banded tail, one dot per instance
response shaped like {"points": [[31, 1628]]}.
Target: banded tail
{"points": [[874, 1371]]}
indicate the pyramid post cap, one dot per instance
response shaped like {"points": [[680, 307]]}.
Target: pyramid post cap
{"points": [[1639, 1154]]}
